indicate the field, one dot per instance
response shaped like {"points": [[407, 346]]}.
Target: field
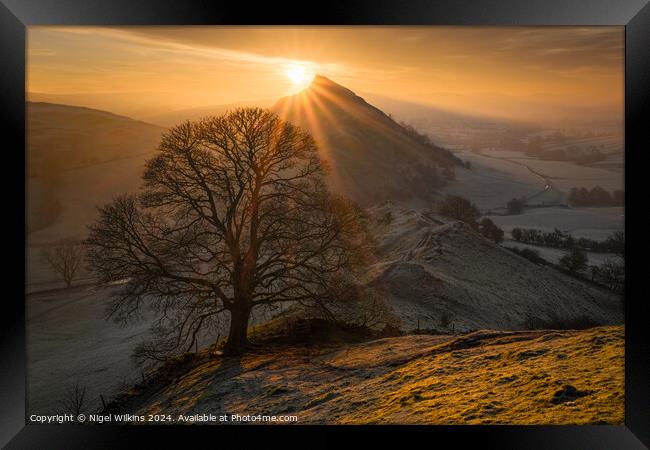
{"points": [[554, 255], [491, 182], [593, 223], [608, 144], [69, 340], [497, 176], [566, 175]]}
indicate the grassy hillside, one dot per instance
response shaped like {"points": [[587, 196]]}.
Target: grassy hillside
{"points": [[62, 138], [373, 158], [530, 377], [78, 158]]}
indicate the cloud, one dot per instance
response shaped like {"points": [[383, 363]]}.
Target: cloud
{"points": [[138, 42], [41, 52], [563, 48]]}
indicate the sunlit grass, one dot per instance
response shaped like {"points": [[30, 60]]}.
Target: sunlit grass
{"points": [[513, 383], [542, 377]]}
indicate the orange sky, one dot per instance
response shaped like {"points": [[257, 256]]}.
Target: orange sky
{"points": [[494, 71]]}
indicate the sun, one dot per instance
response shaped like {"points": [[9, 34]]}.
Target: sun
{"points": [[298, 75]]}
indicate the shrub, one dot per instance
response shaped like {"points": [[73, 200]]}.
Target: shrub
{"points": [[610, 274], [574, 261], [460, 208], [517, 234], [516, 205], [491, 231]]}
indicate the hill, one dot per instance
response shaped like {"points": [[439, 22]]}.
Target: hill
{"points": [[530, 377], [62, 138], [171, 118], [78, 158], [436, 273], [373, 158]]}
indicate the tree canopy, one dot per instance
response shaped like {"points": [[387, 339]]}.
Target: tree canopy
{"points": [[234, 213]]}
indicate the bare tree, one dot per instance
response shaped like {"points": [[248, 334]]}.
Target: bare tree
{"points": [[616, 242], [74, 399], [234, 213], [65, 258]]}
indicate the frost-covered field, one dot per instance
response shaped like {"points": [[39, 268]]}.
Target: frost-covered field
{"points": [[40, 277], [593, 223], [614, 161], [491, 183], [566, 175], [497, 176], [554, 254], [607, 144], [68, 341]]}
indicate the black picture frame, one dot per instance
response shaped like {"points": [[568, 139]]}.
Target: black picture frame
{"points": [[634, 15]]}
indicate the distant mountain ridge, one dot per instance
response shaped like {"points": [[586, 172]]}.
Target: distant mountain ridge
{"points": [[373, 158], [171, 118]]}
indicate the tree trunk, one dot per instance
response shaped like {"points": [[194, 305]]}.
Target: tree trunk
{"points": [[237, 336]]}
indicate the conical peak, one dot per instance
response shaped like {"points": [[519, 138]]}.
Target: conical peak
{"points": [[321, 83]]}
